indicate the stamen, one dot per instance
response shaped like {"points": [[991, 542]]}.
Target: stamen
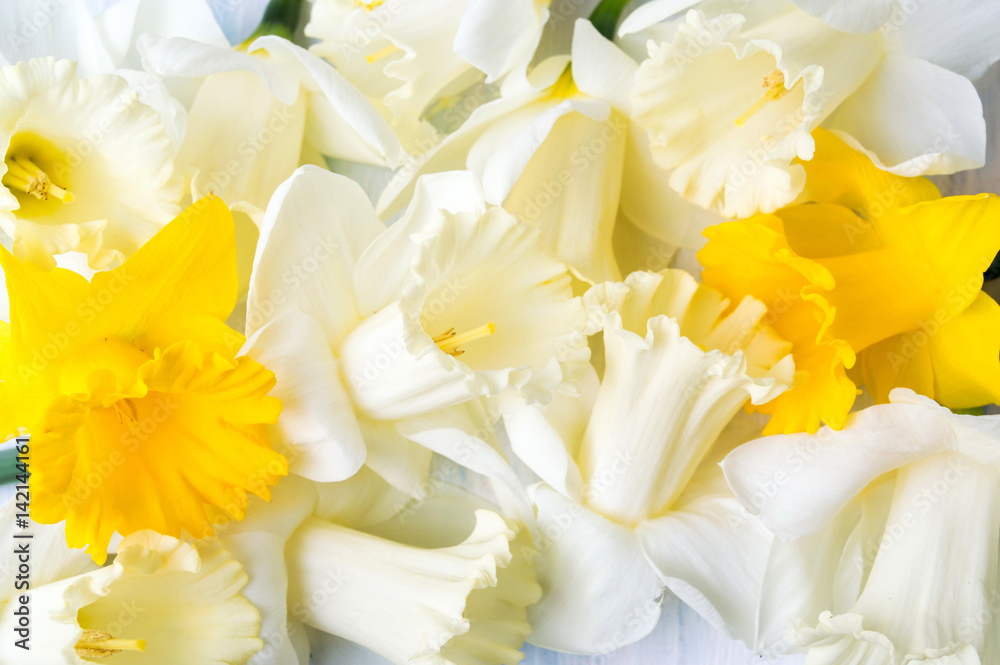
{"points": [[378, 55], [775, 84], [95, 644], [368, 6], [26, 176], [449, 341], [125, 410]]}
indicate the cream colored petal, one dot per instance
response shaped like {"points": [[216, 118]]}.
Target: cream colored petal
{"points": [[316, 226], [929, 120], [496, 37], [414, 605], [182, 599], [823, 472], [94, 138], [699, 94], [662, 403], [317, 427], [600, 592]]}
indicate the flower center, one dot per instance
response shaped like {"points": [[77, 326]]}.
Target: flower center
{"points": [[775, 84], [449, 340], [125, 411], [369, 5], [35, 170], [95, 644]]}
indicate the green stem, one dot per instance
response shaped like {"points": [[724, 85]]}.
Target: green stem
{"points": [[605, 16], [281, 18], [8, 466]]}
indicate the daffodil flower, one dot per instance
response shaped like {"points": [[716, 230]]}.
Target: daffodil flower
{"points": [[87, 167], [872, 268], [558, 152], [160, 602], [443, 581], [260, 111], [731, 99], [140, 414], [378, 335], [632, 500], [886, 548], [421, 61]]}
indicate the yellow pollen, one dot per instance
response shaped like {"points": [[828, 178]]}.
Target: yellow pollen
{"points": [[449, 341], [368, 6], [95, 644], [775, 84], [378, 55], [26, 176]]}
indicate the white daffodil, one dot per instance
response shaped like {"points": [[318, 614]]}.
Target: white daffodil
{"points": [[88, 166], [260, 111], [632, 500], [887, 548], [165, 600], [557, 151], [730, 94], [424, 62], [380, 336], [440, 581]]}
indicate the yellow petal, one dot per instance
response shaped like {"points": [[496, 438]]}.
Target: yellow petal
{"points": [[965, 353], [840, 175], [192, 435], [897, 362], [753, 257], [182, 284], [931, 265]]}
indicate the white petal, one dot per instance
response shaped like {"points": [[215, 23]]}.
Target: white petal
{"points": [[798, 482], [955, 572], [186, 601], [316, 226], [106, 147], [384, 266], [388, 381], [470, 272], [662, 403], [404, 464], [930, 120], [408, 603], [464, 434], [569, 190], [601, 69], [947, 33], [713, 557], [650, 13], [654, 208], [52, 559], [498, 36], [66, 30], [241, 141], [54, 629], [317, 421], [849, 15], [547, 437], [124, 26], [691, 92], [348, 103], [600, 591]]}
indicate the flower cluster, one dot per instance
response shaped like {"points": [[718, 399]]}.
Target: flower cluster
{"points": [[369, 338]]}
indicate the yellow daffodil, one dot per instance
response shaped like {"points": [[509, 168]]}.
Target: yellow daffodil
{"points": [[874, 269], [140, 415]]}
